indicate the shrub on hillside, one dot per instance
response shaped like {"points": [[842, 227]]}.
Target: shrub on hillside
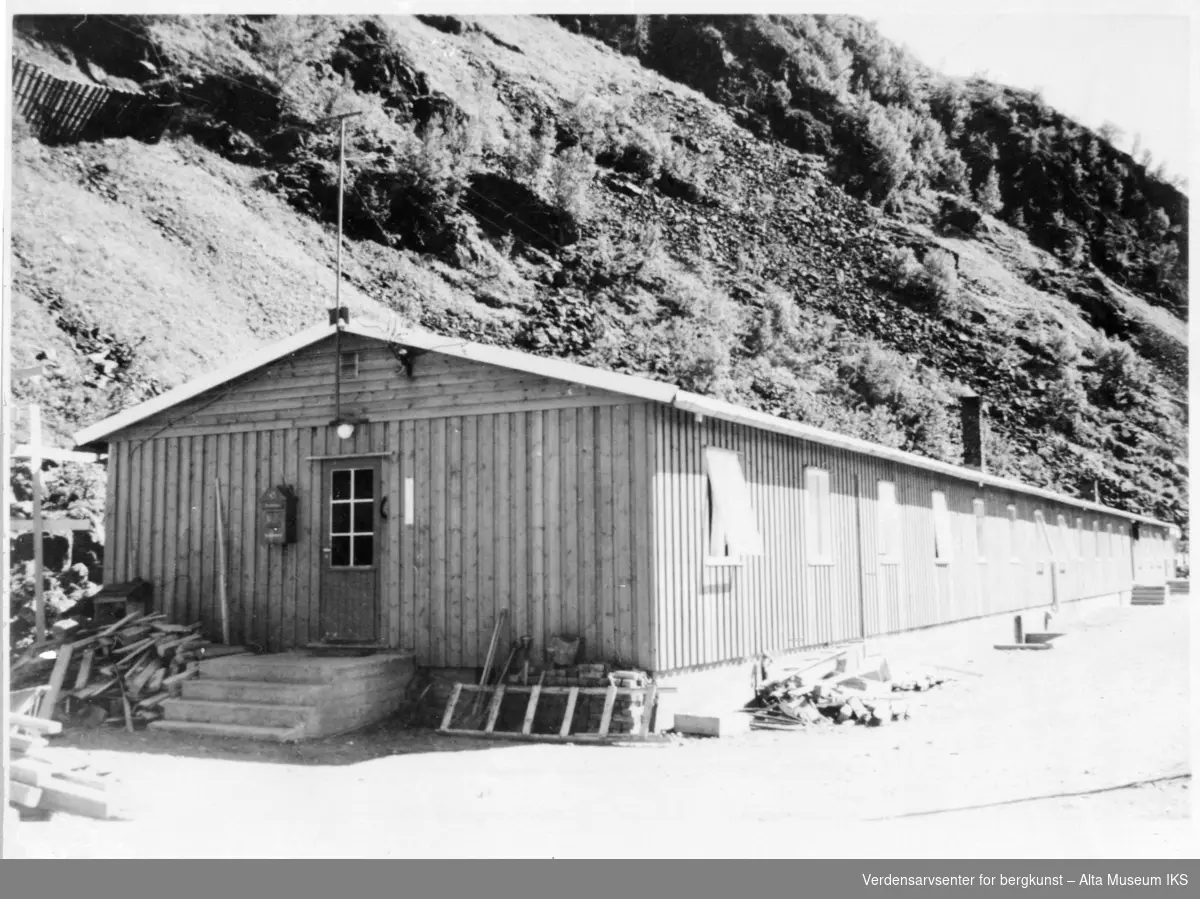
{"points": [[571, 174], [528, 153], [878, 377], [1119, 378], [988, 195], [702, 337], [683, 174], [777, 322], [639, 153], [873, 160], [940, 277], [958, 215], [286, 45], [933, 280]]}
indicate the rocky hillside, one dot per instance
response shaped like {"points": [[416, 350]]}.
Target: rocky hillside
{"points": [[697, 201]]}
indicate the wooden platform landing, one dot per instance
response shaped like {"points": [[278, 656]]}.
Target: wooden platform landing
{"points": [[289, 696]]}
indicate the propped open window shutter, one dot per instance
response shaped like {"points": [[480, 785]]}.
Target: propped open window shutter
{"points": [[941, 528], [890, 535], [734, 521], [818, 516]]}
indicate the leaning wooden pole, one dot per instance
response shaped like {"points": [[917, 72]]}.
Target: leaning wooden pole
{"points": [[221, 594], [35, 471]]}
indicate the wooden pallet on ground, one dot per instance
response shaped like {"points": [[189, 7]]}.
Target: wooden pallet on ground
{"points": [[536, 691]]}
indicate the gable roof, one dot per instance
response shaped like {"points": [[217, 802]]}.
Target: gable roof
{"points": [[558, 369]]}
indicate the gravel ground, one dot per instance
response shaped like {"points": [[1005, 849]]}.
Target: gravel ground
{"points": [[1082, 751]]}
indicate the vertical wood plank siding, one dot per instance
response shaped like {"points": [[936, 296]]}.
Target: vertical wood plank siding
{"points": [[544, 512], [779, 601], [579, 511]]}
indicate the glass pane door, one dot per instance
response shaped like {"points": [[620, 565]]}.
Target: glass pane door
{"points": [[352, 518]]}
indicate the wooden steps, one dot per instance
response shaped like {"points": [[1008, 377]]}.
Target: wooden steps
{"points": [[246, 731], [231, 690], [345, 649], [1148, 595], [289, 696], [1178, 587], [263, 714]]}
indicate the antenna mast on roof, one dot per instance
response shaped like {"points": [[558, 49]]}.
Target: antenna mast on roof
{"points": [[336, 315]]}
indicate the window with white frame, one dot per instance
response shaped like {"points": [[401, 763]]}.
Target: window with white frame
{"points": [[979, 507], [732, 526], [1013, 554], [942, 547], [1062, 546], [890, 534], [818, 517], [1112, 541], [1080, 548], [1096, 539]]}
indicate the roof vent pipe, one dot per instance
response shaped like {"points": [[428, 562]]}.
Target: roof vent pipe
{"points": [[971, 409]]}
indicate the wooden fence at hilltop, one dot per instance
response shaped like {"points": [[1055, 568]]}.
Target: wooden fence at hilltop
{"points": [[61, 111]]}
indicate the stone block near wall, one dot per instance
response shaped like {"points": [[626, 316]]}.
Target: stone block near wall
{"points": [[712, 725]]}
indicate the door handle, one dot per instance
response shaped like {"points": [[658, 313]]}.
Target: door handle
{"points": [[383, 504]]}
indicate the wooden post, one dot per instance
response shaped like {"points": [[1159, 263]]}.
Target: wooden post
{"points": [[35, 469], [221, 596], [858, 547]]}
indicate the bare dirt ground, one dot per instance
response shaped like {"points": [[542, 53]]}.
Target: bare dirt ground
{"points": [[1082, 751]]}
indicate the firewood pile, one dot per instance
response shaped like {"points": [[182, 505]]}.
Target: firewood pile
{"points": [[799, 701], [116, 673], [48, 780]]}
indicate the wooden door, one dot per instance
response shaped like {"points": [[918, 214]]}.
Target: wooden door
{"points": [[352, 545]]}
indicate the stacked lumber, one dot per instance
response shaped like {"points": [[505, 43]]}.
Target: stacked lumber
{"points": [[119, 672], [40, 778]]}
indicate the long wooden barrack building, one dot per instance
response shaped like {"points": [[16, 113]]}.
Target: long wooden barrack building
{"points": [[671, 532]]}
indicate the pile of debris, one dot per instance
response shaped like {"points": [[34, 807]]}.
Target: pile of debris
{"points": [[918, 682], [44, 779], [119, 672], [811, 697]]}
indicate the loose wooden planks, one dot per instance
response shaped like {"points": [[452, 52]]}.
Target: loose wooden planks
{"points": [[24, 795], [50, 700], [85, 668], [31, 772], [40, 725], [63, 796], [24, 743]]}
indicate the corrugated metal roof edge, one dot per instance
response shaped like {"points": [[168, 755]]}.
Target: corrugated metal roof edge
{"points": [[703, 405], [629, 385]]}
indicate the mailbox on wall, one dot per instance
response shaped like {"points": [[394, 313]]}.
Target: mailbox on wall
{"points": [[278, 515]]}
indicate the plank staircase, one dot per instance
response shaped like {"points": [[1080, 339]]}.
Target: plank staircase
{"points": [[1149, 595], [288, 697], [536, 691]]}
